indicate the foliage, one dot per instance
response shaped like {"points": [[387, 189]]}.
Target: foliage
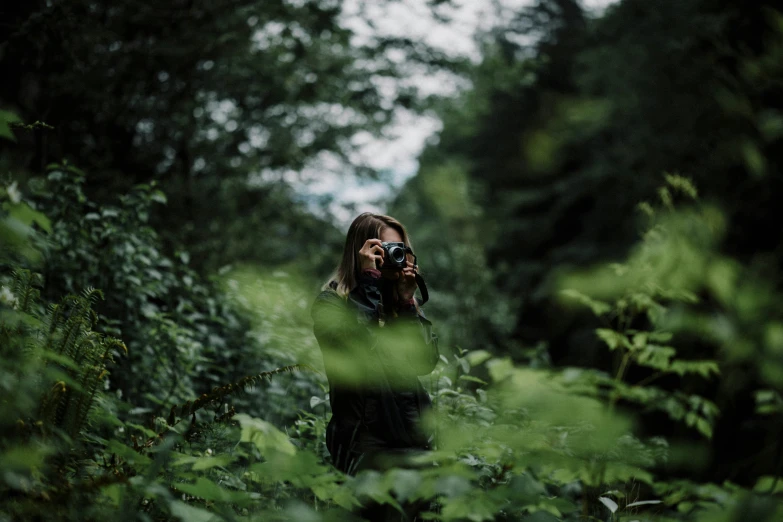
{"points": [[53, 373], [534, 444], [570, 121], [658, 276], [178, 330], [648, 387], [221, 102]]}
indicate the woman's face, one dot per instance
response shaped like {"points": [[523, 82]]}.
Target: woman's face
{"points": [[390, 235]]}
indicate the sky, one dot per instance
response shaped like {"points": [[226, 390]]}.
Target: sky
{"points": [[396, 153]]}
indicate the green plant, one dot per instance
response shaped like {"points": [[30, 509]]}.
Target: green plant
{"points": [[55, 366]]}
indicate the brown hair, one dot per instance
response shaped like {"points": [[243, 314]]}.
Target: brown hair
{"points": [[365, 226]]}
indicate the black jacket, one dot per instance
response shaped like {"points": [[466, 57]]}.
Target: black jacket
{"points": [[373, 360]]}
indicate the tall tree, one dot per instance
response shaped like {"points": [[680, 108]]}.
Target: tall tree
{"points": [[194, 93]]}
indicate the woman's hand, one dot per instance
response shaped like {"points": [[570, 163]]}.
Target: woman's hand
{"points": [[371, 254], [406, 284]]}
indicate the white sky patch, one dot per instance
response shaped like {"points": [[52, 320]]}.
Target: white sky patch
{"points": [[395, 157], [414, 19], [396, 153], [403, 143]]}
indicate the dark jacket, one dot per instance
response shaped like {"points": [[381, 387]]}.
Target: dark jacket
{"points": [[373, 359]]}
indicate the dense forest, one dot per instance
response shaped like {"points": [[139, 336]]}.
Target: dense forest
{"points": [[597, 221]]}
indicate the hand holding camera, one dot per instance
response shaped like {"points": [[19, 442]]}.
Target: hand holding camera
{"points": [[392, 258], [407, 284], [371, 254]]}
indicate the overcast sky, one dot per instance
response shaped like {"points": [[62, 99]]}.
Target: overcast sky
{"points": [[397, 153]]}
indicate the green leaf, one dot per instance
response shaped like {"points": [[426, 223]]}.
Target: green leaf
{"points": [[128, 454], [769, 485], [404, 483], [73, 169], [704, 427], [208, 490], [301, 470], [6, 119], [339, 494], [14, 238], [768, 402], [613, 339], [159, 197], [113, 494], [470, 378], [597, 307], [500, 369], [476, 507], [187, 513], [704, 368], [146, 431], [265, 436], [202, 463], [609, 503], [371, 484], [655, 356], [640, 340], [316, 401], [643, 503], [452, 486], [62, 360], [526, 489], [26, 215], [25, 458], [477, 357]]}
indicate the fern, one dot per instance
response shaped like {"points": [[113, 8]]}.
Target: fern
{"points": [[73, 326], [73, 348], [25, 287]]}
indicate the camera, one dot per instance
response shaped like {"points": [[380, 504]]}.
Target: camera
{"points": [[395, 258], [394, 255]]}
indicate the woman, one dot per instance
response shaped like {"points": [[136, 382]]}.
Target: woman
{"points": [[375, 343]]}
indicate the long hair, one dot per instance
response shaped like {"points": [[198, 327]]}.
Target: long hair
{"points": [[365, 226]]}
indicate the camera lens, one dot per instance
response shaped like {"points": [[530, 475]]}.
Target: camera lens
{"points": [[397, 254]]}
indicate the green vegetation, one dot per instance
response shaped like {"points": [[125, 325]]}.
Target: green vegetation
{"points": [[597, 222]]}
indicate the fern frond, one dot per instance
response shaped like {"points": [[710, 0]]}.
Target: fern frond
{"points": [[53, 319], [47, 410], [75, 325], [241, 385], [24, 288], [705, 368], [82, 400], [69, 334], [89, 356], [92, 294], [682, 184]]}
